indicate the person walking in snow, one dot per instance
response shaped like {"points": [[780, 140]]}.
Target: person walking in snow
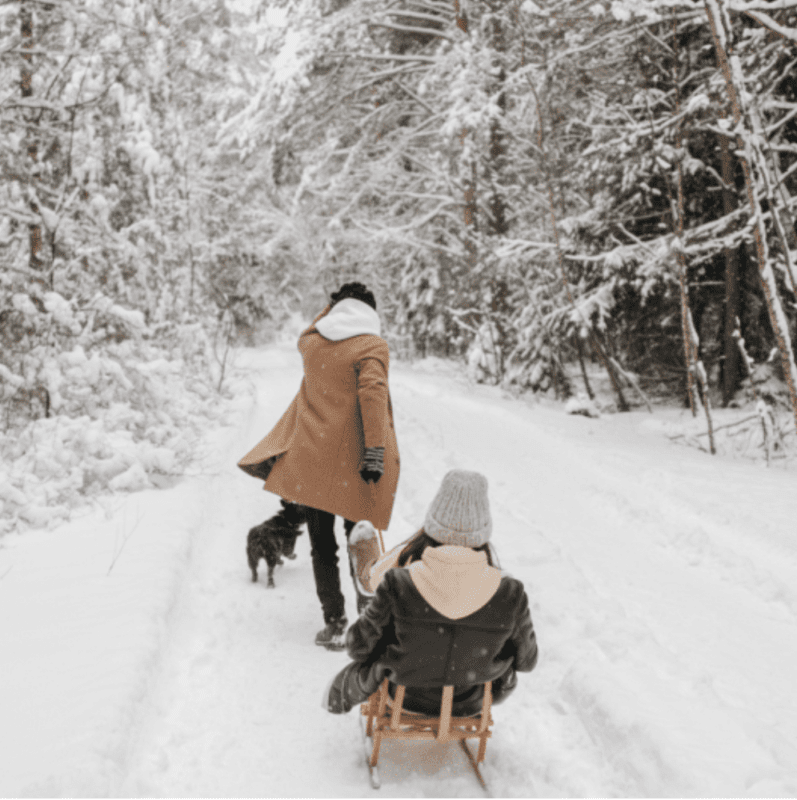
{"points": [[334, 450], [441, 614]]}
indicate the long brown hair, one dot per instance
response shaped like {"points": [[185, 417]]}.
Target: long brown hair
{"points": [[413, 550]]}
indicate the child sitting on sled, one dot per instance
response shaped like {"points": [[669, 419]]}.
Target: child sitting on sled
{"points": [[441, 612]]}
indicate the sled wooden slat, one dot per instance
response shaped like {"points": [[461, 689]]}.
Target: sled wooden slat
{"points": [[395, 716], [487, 703], [444, 727], [373, 710]]}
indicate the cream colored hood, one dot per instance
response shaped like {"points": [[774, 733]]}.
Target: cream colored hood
{"points": [[455, 581]]}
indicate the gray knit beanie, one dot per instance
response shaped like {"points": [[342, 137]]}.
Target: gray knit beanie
{"points": [[460, 511]]}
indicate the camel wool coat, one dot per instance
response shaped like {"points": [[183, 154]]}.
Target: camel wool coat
{"points": [[313, 454]]}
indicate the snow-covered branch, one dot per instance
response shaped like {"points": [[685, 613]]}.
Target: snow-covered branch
{"points": [[744, 6], [385, 57], [768, 22], [409, 29]]}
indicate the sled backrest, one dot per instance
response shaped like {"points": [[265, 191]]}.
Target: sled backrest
{"points": [[445, 731], [387, 719]]}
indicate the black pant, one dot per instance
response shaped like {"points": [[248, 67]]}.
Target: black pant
{"points": [[324, 552]]}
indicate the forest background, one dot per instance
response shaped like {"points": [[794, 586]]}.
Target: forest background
{"points": [[557, 192]]}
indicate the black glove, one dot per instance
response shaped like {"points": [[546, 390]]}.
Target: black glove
{"points": [[373, 464]]}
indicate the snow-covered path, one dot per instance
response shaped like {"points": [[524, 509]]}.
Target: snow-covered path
{"points": [[663, 586]]}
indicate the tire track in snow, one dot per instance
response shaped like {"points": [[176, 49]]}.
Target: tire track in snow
{"points": [[700, 541]]}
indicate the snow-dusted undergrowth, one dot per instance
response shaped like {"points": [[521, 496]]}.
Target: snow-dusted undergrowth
{"points": [[126, 405]]}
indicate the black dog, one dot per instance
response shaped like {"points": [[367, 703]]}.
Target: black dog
{"points": [[274, 538]]}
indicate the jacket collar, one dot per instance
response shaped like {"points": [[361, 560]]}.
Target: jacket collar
{"points": [[455, 581], [349, 318]]}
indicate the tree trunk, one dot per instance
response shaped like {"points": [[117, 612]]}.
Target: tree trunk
{"points": [[462, 17], [689, 342], [580, 352], [752, 164], [696, 374], [731, 367], [497, 160], [470, 208], [31, 143]]}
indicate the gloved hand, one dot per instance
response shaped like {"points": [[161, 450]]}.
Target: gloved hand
{"points": [[373, 464]]}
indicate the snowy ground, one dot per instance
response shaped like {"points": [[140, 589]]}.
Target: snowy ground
{"points": [[138, 659]]}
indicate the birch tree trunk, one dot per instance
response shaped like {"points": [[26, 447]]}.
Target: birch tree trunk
{"points": [[754, 167]]}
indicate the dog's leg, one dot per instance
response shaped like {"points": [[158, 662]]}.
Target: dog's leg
{"points": [[253, 559], [271, 576]]}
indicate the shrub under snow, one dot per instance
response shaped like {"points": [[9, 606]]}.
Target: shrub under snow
{"points": [[581, 404], [122, 407]]}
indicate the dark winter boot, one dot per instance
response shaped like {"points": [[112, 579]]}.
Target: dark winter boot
{"points": [[333, 637], [345, 690]]}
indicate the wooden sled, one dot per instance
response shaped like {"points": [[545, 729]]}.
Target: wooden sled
{"points": [[386, 719]]}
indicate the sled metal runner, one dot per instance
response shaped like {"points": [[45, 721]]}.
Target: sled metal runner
{"points": [[385, 718], [476, 770]]}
